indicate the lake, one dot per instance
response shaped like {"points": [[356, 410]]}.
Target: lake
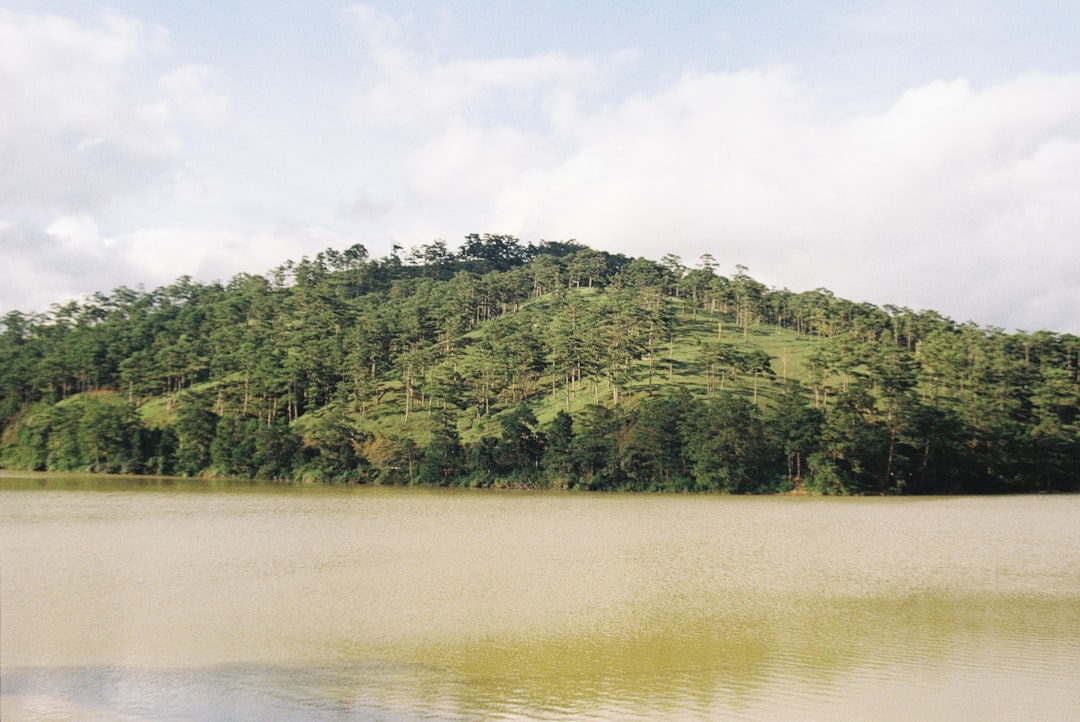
{"points": [[183, 600]]}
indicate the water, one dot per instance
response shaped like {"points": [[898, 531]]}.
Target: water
{"points": [[165, 600]]}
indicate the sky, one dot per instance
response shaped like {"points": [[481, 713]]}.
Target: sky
{"points": [[920, 154]]}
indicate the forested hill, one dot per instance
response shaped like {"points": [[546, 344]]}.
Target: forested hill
{"points": [[550, 365]]}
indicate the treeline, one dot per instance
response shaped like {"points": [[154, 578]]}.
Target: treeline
{"points": [[434, 366]]}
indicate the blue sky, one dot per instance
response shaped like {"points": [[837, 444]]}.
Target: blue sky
{"points": [[911, 153]]}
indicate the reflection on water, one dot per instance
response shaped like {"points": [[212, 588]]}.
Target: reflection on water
{"points": [[184, 602]]}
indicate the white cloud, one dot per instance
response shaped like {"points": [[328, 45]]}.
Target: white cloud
{"points": [[76, 130], [63, 54], [418, 92], [363, 205], [159, 255], [77, 233], [71, 258], [194, 93], [953, 198], [382, 33], [956, 195]]}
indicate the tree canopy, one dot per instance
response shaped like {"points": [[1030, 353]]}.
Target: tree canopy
{"points": [[540, 365]]}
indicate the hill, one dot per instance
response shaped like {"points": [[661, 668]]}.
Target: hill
{"points": [[535, 365]]}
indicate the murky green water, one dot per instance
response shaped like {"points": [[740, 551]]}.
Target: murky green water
{"points": [[172, 601]]}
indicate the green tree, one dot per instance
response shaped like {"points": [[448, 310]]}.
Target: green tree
{"points": [[520, 448], [596, 449], [655, 454], [196, 427], [443, 459], [797, 426], [728, 447], [559, 461], [334, 448], [107, 428]]}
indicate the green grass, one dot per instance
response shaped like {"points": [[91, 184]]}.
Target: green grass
{"points": [[677, 363], [155, 412]]}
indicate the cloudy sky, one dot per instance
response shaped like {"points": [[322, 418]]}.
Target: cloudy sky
{"points": [[923, 154]]}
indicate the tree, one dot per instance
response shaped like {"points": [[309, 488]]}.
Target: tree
{"points": [[29, 447], [443, 459], [520, 448], [655, 453], [341, 349], [596, 449], [586, 264], [758, 363], [196, 427], [749, 295], [232, 450], [1055, 431], [942, 463], [106, 429], [856, 446], [797, 426], [494, 252], [891, 371], [334, 444], [435, 258], [559, 461], [546, 275], [276, 449], [676, 270], [727, 446]]}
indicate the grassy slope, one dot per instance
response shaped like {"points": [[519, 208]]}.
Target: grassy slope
{"points": [[785, 348], [692, 329], [686, 368]]}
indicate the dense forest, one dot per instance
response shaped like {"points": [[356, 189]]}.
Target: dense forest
{"points": [[549, 365]]}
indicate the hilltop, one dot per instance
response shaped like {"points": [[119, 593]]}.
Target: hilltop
{"points": [[554, 364]]}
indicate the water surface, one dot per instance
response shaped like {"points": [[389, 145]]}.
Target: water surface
{"points": [[198, 601]]}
